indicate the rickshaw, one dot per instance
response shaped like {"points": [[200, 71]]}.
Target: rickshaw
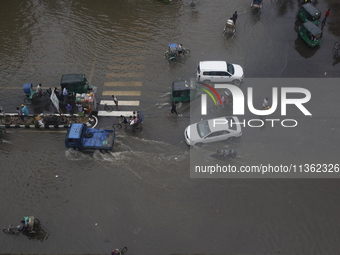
{"points": [[310, 33], [75, 83], [183, 91], [308, 12], [31, 94], [256, 5], [229, 27], [172, 54]]}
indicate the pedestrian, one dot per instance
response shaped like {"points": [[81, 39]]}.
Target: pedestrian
{"points": [[234, 18], [68, 108], [65, 93], [79, 106], [24, 110], [326, 16], [115, 100], [56, 92], [223, 100], [265, 104], [173, 109], [18, 110], [38, 89]]}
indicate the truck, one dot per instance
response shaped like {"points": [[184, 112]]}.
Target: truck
{"points": [[80, 137]]}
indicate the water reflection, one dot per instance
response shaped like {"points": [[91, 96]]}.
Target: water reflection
{"points": [[336, 59], [283, 6]]}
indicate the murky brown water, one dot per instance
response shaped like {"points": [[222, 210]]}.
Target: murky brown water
{"points": [[140, 195]]}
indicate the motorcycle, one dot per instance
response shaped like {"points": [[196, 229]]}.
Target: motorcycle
{"points": [[33, 226], [224, 154]]}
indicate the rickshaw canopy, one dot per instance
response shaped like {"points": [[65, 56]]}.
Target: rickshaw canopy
{"points": [[173, 47], [27, 88]]}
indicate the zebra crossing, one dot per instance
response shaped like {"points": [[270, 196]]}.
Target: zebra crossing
{"points": [[123, 81]]}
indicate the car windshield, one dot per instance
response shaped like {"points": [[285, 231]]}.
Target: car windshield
{"points": [[230, 68], [203, 128]]}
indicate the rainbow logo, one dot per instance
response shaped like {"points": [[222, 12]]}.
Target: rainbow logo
{"points": [[210, 94]]}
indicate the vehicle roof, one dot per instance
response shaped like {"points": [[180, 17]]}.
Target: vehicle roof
{"points": [[218, 127], [75, 131], [180, 86], [311, 9], [213, 65], [71, 78], [172, 45], [312, 28]]}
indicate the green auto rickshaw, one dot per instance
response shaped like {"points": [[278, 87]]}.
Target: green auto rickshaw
{"points": [[310, 33], [184, 91], [308, 12], [75, 83]]}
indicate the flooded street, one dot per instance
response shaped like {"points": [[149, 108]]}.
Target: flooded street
{"points": [[141, 195]]}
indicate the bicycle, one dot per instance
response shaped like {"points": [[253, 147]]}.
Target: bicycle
{"points": [[336, 48], [135, 127], [12, 230], [104, 107]]}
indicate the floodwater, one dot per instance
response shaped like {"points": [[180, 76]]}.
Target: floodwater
{"points": [[141, 195]]}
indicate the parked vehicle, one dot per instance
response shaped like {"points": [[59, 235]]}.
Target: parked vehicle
{"points": [[310, 33], [309, 12], [80, 137], [212, 130], [219, 71], [184, 91], [229, 28], [75, 83]]}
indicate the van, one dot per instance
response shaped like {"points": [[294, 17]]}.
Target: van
{"points": [[219, 71]]}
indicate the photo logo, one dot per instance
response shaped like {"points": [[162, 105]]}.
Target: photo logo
{"points": [[238, 100]]}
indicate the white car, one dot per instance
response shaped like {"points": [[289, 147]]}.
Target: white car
{"points": [[219, 71], [213, 130]]}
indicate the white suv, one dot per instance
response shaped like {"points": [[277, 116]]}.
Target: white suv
{"points": [[219, 71]]}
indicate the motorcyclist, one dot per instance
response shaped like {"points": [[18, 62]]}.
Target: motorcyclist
{"points": [[25, 225]]}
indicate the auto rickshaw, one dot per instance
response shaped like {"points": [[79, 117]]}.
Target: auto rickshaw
{"points": [[256, 5], [75, 83], [308, 12], [183, 91], [310, 33], [229, 27]]}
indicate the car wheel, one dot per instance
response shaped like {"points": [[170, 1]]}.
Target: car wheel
{"points": [[232, 138], [207, 82], [198, 144], [236, 82]]}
